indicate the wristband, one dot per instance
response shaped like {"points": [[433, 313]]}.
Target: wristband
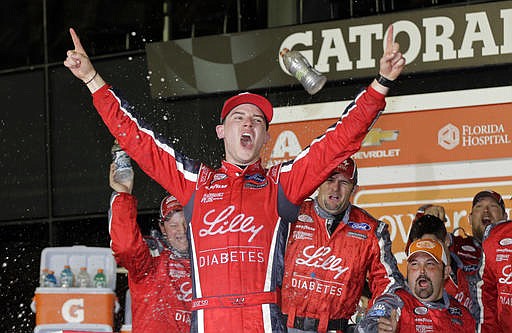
{"points": [[385, 82], [92, 78]]}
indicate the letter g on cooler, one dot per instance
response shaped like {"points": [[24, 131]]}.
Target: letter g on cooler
{"points": [[73, 310]]}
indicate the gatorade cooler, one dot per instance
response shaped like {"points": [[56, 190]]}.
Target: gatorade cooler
{"points": [[59, 306]]}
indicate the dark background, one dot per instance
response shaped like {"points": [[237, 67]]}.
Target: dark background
{"points": [[54, 149]]}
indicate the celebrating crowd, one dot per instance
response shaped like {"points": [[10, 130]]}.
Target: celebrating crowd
{"points": [[260, 255]]}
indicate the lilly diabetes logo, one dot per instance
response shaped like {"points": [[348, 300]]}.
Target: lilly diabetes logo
{"points": [[448, 137]]}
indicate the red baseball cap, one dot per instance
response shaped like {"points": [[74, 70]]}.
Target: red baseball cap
{"points": [[169, 205], [489, 194], [348, 169], [248, 98]]}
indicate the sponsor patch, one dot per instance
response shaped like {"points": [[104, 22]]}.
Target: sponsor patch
{"points": [[217, 187], [258, 178], [357, 235], [305, 218], [420, 310], [455, 311], [424, 328], [506, 241], [302, 235], [468, 248], [255, 181], [359, 226], [470, 268], [211, 197], [304, 226], [219, 176]]}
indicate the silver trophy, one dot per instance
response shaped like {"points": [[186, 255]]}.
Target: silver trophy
{"points": [[299, 67]]}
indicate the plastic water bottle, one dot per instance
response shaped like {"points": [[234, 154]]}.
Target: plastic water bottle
{"points": [[66, 277], [82, 279], [50, 280], [300, 68], [100, 280], [42, 277], [124, 170]]}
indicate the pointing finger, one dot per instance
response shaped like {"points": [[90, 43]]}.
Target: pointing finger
{"points": [[76, 41], [389, 39]]}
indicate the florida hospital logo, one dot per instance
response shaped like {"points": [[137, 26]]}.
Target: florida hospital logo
{"points": [[448, 137]]}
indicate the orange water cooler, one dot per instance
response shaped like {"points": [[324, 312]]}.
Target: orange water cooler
{"points": [[75, 309]]}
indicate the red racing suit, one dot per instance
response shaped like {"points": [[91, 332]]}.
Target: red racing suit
{"points": [[420, 317], [495, 289], [465, 254], [329, 271], [160, 286], [238, 217]]}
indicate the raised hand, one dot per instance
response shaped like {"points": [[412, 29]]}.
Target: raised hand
{"points": [[77, 60], [392, 62], [125, 186]]}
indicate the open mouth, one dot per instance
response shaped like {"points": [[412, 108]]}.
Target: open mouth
{"points": [[246, 139], [423, 282], [333, 197]]}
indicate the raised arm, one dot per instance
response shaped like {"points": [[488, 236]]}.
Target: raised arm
{"points": [[81, 66], [314, 164]]}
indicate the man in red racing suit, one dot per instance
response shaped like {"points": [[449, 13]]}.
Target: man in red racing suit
{"points": [[424, 305], [159, 277], [495, 288], [333, 248], [239, 213]]}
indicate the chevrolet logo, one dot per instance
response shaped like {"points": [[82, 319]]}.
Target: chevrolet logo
{"points": [[376, 136]]}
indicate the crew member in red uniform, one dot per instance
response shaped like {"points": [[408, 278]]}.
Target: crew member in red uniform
{"points": [[158, 278], [333, 248], [495, 289], [424, 306], [465, 252], [239, 213]]}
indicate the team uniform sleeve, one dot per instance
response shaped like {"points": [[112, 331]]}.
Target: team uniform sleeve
{"points": [[383, 307], [383, 273], [313, 165], [127, 244], [487, 291], [154, 154]]}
